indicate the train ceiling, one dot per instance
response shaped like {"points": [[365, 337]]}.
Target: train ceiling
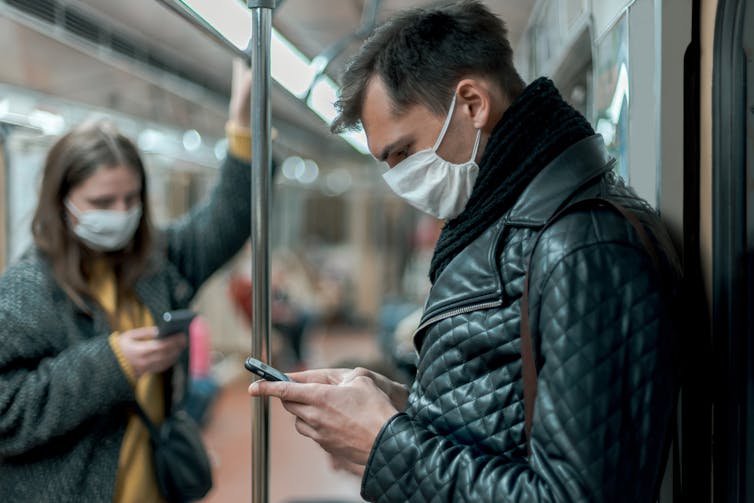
{"points": [[159, 67]]}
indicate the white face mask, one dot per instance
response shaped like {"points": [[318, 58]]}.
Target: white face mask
{"points": [[105, 230], [432, 184]]}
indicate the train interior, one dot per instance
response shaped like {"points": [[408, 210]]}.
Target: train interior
{"points": [[668, 83]]}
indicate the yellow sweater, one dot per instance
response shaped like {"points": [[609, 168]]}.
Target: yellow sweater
{"points": [[135, 482]]}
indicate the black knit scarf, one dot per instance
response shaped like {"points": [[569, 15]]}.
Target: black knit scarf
{"points": [[535, 129]]}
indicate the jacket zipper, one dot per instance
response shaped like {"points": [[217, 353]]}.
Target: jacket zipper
{"points": [[455, 312]]}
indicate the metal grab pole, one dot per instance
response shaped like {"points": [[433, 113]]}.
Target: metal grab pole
{"points": [[261, 164], [261, 167]]}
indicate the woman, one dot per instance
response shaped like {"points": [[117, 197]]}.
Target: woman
{"points": [[78, 344]]}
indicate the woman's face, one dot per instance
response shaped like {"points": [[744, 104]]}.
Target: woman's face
{"points": [[116, 188]]}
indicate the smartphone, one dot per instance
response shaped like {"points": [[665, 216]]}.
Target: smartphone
{"points": [[264, 371], [175, 322]]}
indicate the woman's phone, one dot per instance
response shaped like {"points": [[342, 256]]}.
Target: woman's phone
{"points": [[264, 371], [175, 322]]}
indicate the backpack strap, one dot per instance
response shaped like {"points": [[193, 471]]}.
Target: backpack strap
{"points": [[529, 367]]}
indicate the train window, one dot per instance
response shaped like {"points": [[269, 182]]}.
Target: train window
{"points": [[611, 95], [26, 150]]}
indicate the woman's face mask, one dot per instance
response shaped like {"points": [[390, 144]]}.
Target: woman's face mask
{"points": [[430, 183], [105, 230]]}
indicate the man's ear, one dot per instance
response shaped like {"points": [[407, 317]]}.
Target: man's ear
{"points": [[476, 102]]}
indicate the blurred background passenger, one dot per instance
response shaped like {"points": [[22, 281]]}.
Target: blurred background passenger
{"points": [[203, 387], [400, 316], [299, 301], [78, 346]]}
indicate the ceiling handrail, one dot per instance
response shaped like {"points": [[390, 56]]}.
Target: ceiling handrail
{"points": [[202, 25], [323, 60]]}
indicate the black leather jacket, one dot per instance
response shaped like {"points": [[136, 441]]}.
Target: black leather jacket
{"points": [[604, 337]]}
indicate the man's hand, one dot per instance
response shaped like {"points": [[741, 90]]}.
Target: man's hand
{"points": [[239, 110], [340, 411], [147, 354], [397, 392], [340, 464]]}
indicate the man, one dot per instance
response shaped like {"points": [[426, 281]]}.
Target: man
{"points": [[506, 165]]}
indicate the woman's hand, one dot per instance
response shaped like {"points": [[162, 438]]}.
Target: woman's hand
{"points": [[148, 354], [239, 109]]}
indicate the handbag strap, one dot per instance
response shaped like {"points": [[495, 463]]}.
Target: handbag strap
{"points": [[154, 431], [529, 367]]}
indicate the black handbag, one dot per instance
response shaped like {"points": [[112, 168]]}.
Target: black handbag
{"points": [[181, 463]]}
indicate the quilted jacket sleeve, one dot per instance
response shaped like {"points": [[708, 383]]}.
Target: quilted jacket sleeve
{"points": [[605, 395], [210, 234], [46, 393]]}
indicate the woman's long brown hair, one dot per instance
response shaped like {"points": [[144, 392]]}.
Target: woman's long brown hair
{"points": [[73, 159]]}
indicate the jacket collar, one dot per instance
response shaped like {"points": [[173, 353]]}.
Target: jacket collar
{"points": [[471, 280], [579, 164]]}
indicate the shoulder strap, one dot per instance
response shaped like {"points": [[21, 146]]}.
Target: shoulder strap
{"points": [[153, 430], [529, 367]]}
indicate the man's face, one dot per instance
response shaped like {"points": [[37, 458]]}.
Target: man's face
{"points": [[393, 137]]}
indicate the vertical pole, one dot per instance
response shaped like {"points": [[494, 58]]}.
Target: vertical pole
{"points": [[261, 162], [4, 206]]}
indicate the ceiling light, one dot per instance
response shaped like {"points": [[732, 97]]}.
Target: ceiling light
{"points": [[49, 123], [310, 172], [358, 140], [221, 147], [230, 17], [149, 140], [292, 167], [288, 66], [322, 99], [192, 140], [338, 181]]}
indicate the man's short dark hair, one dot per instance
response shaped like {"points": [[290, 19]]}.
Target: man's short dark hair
{"points": [[421, 54]]}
